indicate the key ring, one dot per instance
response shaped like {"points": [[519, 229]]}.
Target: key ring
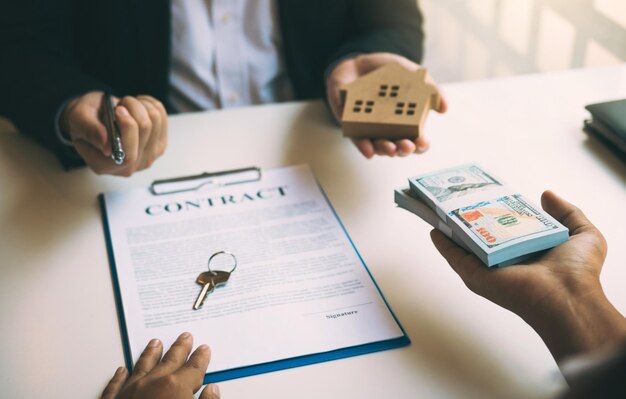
{"points": [[222, 253]]}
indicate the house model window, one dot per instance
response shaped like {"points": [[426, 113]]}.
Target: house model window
{"points": [[390, 102]]}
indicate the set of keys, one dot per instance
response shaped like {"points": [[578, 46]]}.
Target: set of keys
{"points": [[212, 279]]}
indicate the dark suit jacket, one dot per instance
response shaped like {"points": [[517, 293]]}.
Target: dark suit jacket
{"points": [[53, 50]]}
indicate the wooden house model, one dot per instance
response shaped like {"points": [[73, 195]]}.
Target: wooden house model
{"points": [[389, 103]]}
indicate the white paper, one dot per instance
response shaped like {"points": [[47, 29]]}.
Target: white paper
{"points": [[300, 287]]}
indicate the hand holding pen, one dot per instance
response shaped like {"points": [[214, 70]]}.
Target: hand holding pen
{"points": [[116, 136]]}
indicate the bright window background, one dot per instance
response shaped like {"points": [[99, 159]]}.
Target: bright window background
{"points": [[477, 39]]}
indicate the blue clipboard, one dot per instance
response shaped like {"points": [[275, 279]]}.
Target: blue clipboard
{"points": [[261, 368]]}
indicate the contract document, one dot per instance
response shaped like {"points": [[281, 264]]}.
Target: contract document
{"points": [[301, 293]]}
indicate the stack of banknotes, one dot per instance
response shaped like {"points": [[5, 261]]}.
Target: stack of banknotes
{"points": [[481, 214]]}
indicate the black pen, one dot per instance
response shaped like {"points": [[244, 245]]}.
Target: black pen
{"points": [[113, 130]]}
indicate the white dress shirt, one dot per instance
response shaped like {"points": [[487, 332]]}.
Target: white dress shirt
{"points": [[226, 53]]}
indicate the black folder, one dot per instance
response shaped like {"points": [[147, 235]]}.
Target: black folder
{"points": [[608, 124]]}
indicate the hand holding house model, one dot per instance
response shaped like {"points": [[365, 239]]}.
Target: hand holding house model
{"points": [[389, 103]]}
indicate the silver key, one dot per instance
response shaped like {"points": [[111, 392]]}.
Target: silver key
{"points": [[208, 281]]}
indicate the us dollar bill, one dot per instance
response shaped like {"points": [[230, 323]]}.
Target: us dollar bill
{"points": [[456, 182], [497, 224]]}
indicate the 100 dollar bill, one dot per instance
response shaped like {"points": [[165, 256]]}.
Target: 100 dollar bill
{"points": [[450, 184], [502, 220], [495, 222]]}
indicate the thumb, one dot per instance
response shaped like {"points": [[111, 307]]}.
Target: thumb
{"points": [[344, 73], [467, 266], [211, 391], [443, 103], [566, 213]]}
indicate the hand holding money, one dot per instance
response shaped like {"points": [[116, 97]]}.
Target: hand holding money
{"points": [[481, 214], [558, 294]]}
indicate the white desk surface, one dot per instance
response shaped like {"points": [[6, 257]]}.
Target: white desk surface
{"points": [[59, 334]]}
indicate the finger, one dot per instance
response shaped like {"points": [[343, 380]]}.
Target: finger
{"points": [[443, 103], [193, 371], [405, 147], [94, 158], [333, 92], [144, 125], [115, 385], [365, 146], [86, 126], [161, 143], [115, 100], [211, 391], [345, 72], [566, 213], [149, 153], [129, 131], [465, 264], [153, 100], [156, 104], [385, 147], [149, 358], [443, 106], [176, 356], [421, 144]]}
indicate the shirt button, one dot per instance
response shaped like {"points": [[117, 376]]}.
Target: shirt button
{"points": [[225, 18], [233, 97]]}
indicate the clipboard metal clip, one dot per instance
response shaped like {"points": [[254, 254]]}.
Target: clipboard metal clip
{"points": [[195, 182]]}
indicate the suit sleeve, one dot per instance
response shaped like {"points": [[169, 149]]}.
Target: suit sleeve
{"points": [[39, 69], [393, 26]]}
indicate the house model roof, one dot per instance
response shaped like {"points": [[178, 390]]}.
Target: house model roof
{"points": [[390, 102]]}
